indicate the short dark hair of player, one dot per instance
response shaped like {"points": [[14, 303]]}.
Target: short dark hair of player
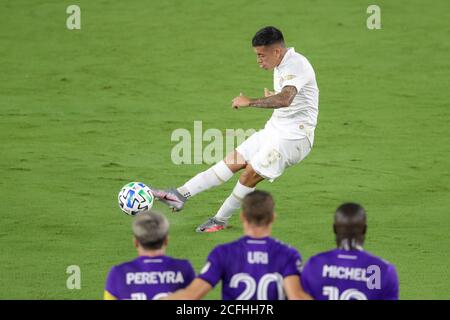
{"points": [[350, 225], [150, 229], [258, 208], [267, 36]]}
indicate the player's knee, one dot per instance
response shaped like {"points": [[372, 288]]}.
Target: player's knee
{"points": [[249, 177], [244, 176], [235, 161]]}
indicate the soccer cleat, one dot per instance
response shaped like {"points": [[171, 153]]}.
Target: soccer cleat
{"points": [[212, 225], [170, 197]]}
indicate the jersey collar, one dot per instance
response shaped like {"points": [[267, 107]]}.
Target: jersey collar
{"points": [[283, 61]]}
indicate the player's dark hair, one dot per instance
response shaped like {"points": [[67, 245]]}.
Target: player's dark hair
{"points": [[350, 226], [267, 36], [258, 208]]}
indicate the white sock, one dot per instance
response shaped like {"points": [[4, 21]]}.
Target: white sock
{"points": [[214, 176], [233, 202]]}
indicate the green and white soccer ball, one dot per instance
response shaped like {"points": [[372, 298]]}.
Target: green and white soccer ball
{"points": [[135, 197]]}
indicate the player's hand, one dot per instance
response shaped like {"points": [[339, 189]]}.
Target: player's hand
{"points": [[240, 101], [268, 93]]}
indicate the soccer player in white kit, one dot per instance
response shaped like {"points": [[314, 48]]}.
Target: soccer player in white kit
{"points": [[286, 139]]}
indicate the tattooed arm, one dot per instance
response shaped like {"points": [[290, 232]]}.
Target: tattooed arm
{"points": [[280, 100]]}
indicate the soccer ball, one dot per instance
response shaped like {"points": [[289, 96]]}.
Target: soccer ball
{"points": [[135, 197]]}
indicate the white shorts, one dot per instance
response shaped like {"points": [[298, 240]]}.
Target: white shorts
{"points": [[269, 154]]}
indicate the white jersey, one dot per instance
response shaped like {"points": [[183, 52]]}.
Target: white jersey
{"points": [[299, 119]]}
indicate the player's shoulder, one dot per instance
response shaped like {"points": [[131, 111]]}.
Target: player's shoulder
{"points": [[337, 253], [284, 249], [297, 59], [382, 266], [274, 243], [177, 261], [379, 260], [238, 244], [139, 262]]}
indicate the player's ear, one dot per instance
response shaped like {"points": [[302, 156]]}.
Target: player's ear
{"points": [[278, 51], [364, 230], [243, 220], [166, 240], [136, 243]]}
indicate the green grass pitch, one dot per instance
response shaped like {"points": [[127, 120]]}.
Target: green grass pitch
{"points": [[82, 112]]}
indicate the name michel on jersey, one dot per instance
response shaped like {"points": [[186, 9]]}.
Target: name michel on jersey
{"points": [[154, 277], [349, 273]]}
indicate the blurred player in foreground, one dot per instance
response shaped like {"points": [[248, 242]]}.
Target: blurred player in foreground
{"points": [[349, 272], [254, 267], [286, 139], [153, 274]]}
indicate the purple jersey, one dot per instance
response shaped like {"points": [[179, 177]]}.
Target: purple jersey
{"points": [[349, 275], [147, 278], [251, 268]]}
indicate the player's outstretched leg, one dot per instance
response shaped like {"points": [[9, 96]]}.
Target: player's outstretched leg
{"points": [[246, 184], [219, 173]]}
